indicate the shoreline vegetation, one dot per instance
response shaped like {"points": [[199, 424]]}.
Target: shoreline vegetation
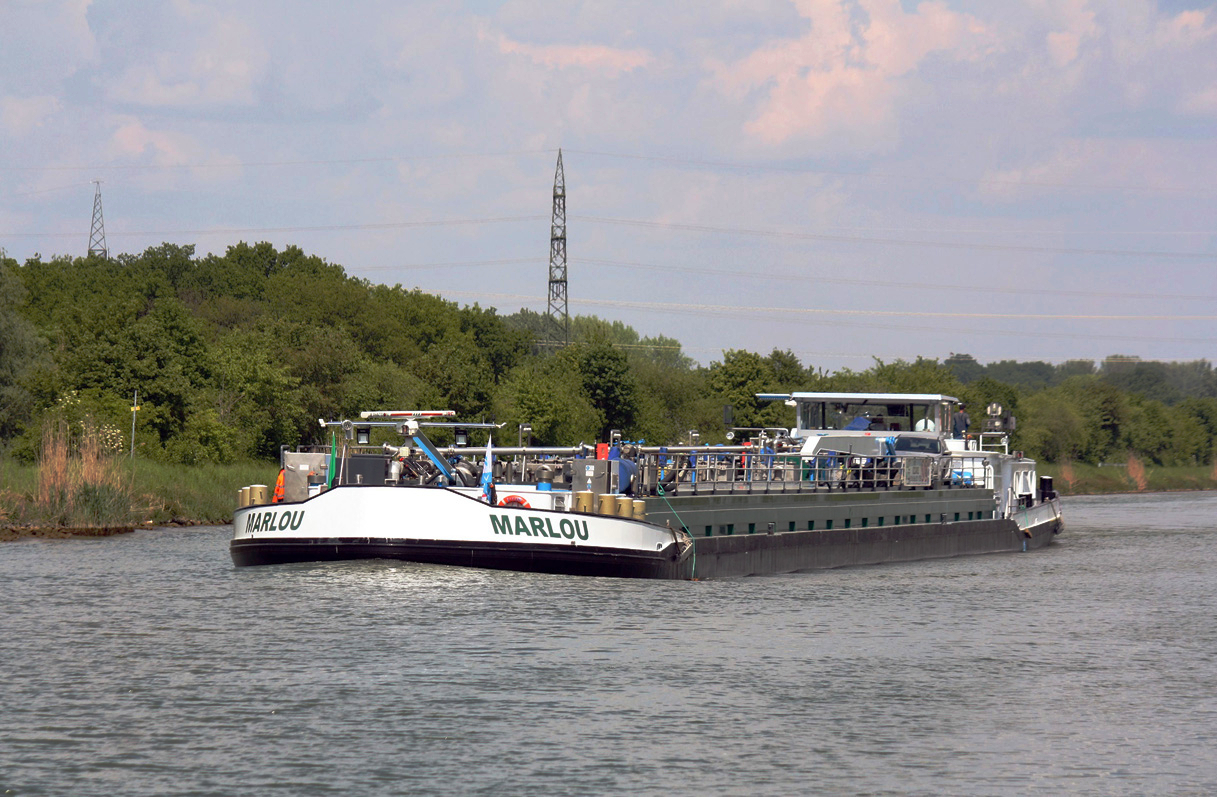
{"points": [[77, 490], [81, 487]]}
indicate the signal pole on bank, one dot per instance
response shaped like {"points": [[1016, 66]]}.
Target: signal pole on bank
{"points": [[558, 313]]}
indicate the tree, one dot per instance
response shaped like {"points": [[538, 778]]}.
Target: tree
{"points": [[965, 367], [548, 394], [22, 351], [607, 382]]}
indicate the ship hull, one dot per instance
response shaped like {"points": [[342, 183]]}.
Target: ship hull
{"points": [[441, 526], [448, 527]]}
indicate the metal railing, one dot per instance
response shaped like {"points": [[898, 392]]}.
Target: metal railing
{"points": [[724, 469]]}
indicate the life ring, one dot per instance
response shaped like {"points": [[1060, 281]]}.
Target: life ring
{"points": [[514, 500]]}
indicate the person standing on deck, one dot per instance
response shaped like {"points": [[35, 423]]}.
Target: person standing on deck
{"points": [[960, 423]]}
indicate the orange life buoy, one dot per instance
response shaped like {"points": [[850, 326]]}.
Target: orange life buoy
{"points": [[277, 498], [514, 500]]}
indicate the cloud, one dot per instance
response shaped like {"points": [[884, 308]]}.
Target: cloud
{"points": [[840, 80], [592, 57], [1200, 103], [43, 43], [20, 115], [132, 141], [1076, 25], [205, 57]]}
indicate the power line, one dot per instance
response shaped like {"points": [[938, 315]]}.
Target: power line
{"points": [[819, 317], [861, 239], [872, 283], [789, 234], [394, 225], [936, 178], [803, 278], [237, 164]]}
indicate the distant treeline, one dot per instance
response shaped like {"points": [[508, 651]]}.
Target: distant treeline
{"points": [[236, 355]]}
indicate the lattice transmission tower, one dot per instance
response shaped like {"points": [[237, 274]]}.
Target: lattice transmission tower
{"points": [[558, 312], [97, 233]]}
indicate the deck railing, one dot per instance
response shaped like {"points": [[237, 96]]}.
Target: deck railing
{"points": [[732, 469]]}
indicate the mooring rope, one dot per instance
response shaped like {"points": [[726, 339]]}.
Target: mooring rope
{"points": [[688, 532]]}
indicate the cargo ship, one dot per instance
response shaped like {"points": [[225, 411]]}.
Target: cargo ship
{"points": [[862, 478]]}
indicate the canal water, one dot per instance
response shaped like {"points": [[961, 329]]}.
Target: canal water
{"points": [[148, 665]]}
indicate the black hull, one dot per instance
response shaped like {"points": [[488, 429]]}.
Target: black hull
{"points": [[575, 560], [792, 552]]}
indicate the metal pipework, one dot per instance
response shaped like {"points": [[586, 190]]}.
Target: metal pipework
{"points": [[701, 450], [509, 451]]}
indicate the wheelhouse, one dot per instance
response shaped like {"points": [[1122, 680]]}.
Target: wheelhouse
{"points": [[816, 413]]}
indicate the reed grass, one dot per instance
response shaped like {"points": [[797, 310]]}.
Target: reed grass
{"points": [[80, 482], [77, 483]]}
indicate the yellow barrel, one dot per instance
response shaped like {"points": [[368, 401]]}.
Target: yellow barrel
{"points": [[640, 509], [585, 501], [625, 506], [258, 494], [242, 498], [608, 505]]}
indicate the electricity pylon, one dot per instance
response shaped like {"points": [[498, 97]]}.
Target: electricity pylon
{"points": [[97, 233], [558, 313]]}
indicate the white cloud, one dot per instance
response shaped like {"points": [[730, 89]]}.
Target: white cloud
{"points": [[210, 57], [840, 80], [1200, 103], [600, 58], [20, 115]]}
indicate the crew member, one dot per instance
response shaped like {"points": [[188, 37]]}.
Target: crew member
{"points": [[960, 422]]}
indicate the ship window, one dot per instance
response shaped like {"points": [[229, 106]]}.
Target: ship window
{"points": [[956, 517], [709, 530], [828, 524], [752, 528], [792, 525], [865, 521], [811, 525], [969, 516], [881, 521], [927, 518], [847, 522], [730, 528]]}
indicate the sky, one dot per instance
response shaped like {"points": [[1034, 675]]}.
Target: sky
{"points": [[843, 179]]}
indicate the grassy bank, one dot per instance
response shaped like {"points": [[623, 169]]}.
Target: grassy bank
{"points": [[158, 493], [1082, 479]]}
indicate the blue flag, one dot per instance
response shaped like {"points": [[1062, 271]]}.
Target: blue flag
{"points": [[488, 474]]}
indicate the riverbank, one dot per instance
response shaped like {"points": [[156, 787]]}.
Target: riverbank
{"points": [[154, 494], [1133, 477]]}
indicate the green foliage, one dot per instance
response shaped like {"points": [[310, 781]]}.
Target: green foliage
{"points": [[235, 355], [22, 352], [548, 394], [607, 382]]}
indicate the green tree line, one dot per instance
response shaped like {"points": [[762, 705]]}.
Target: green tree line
{"points": [[235, 355]]}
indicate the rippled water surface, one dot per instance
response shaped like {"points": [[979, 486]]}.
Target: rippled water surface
{"points": [[147, 664]]}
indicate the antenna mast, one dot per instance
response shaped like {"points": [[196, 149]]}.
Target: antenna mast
{"points": [[558, 313], [97, 233]]}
